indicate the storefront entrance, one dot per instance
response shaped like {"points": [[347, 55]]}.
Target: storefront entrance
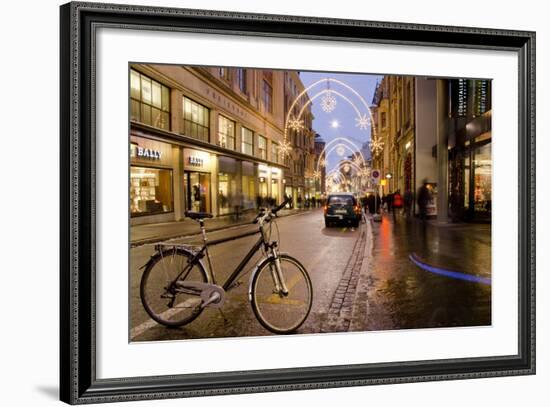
{"points": [[197, 188]]}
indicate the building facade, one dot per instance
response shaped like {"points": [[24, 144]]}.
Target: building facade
{"points": [[438, 135], [299, 179], [204, 139], [320, 182], [393, 110]]}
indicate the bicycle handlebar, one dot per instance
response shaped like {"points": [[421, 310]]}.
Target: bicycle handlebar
{"points": [[273, 211], [281, 206]]}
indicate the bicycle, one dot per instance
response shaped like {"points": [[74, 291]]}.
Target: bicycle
{"points": [[176, 286]]}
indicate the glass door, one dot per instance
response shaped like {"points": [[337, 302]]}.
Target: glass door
{"points": [[197, 185]]}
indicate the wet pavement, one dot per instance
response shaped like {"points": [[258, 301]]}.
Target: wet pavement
{"points": [[402, 295], [158, 232], [363, 279], [324, 253]]}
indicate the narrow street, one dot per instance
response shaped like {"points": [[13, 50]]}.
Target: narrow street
{"points": [[363, 279]]}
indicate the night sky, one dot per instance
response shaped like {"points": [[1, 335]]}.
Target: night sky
{"points": [[344, 112]]}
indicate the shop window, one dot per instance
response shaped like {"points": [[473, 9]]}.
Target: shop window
{"points": [[249, 179], [150, 191], [247, 141], [149, 100], [196, 120], [229, 198], [262, 147], [226, 133], [483, 171]]}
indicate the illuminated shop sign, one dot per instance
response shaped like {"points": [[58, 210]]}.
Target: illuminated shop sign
{"points": [[195, 161], [148, 153]]}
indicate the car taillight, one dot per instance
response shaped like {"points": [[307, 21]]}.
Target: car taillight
{"points": [[357, 209], [325, 208]]}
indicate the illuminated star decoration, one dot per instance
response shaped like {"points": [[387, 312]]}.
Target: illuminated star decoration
{"points": [[322, 162], [317, 174], [376, 145], [296, 124], [363, 122], [328, 102], [365, 172], [285, 148], [340, 151]]}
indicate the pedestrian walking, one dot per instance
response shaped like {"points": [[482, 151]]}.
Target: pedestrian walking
{"points": [[299, 201], [389, 202], [397, 202]]}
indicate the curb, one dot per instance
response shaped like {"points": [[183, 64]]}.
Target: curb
{"points": [[141, 242], [340, 313], [360, 307]]}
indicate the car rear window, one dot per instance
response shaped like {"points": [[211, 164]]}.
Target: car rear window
{"points": [[341, 200]]}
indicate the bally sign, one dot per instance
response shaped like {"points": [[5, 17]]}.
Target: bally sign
{"points": [[148, 153], [195, 161]]}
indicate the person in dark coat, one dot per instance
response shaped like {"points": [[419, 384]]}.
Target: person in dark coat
{"points": [[408, 201], [424, 197]]}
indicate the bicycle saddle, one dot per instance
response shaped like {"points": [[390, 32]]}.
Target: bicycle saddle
{"points": [[198, 215]]}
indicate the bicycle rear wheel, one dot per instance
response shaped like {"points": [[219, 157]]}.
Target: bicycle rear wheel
{"points": [[165, 301], [279, 313]]}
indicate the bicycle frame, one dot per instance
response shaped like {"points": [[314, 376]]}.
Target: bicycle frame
{"points": [[238, 270]]}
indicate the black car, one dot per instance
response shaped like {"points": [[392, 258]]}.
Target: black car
{"points": [[342, 208]]}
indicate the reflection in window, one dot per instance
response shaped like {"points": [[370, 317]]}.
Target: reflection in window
{"points": [[274, 152], [482, 179], [262, 147], [267, 97], [241, 79], [149, 100], [196, 120], [150, 191], [226, 133], [247, 141]]}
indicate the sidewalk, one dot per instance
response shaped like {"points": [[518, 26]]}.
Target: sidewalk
{"points": [[445, 292], [157, 232]]}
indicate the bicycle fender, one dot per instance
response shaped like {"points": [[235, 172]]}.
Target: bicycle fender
{"points": [[158, 254]]}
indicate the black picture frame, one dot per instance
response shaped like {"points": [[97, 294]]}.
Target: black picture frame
{"points": [[78, 382]]}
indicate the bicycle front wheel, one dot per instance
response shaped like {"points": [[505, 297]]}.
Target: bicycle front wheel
{"points": [[163, 299], [281, 313]]}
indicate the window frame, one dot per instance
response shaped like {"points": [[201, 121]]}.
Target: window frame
{"points": [[260, 150], [220, 118], [164, 110], [243, 143], [267, 97], [202, 107]]}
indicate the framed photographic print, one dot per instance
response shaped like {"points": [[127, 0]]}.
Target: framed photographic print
{"points": [[256, 203]]}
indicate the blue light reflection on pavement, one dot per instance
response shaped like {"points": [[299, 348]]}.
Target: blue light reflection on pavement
{"points": [[448, 273]]}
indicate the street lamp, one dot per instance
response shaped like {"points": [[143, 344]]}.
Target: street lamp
{"points": [[389, 176]]}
